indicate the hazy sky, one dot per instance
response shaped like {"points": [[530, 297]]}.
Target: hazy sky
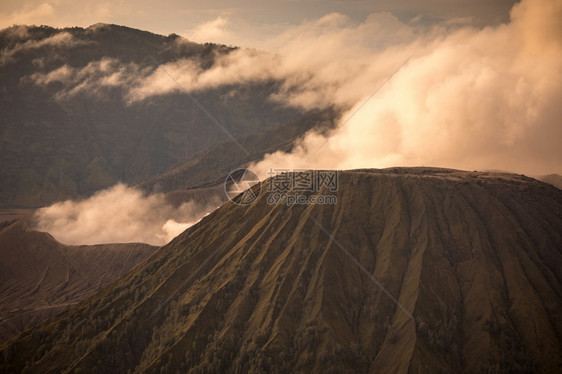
{"points": [[244, 22]]}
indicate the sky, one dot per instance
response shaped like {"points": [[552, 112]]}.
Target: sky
{"points": [[248, 23]]}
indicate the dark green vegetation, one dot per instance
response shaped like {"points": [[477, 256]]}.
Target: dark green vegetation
{"points": [[475, 257], [40, 277], [57, 144]]}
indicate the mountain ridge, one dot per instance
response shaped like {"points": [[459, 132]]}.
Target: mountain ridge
{"points": [[475, 257], [70, 127], [41, 277]]}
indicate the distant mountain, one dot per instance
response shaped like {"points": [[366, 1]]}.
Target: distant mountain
{"points": [[413, 270], [211, 166], [40, 277], [554, 179], [68, 128]]}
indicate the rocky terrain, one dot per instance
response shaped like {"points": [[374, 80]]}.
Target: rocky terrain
{"points": [[40, 277], [412, 270]]}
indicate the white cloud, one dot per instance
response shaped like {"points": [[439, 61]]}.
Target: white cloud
{"points": [[469, 99], [62, 39], [91, 79], [212, 31], [120, 214], [171, 229], [320, 62]]}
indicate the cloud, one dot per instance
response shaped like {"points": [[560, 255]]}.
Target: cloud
{"points": [[91, 79], [470, 99], [59, 40], [319, 62], [211, 31], [119, 214], [237, 67]]}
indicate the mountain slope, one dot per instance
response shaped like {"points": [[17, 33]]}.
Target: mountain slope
{"points": [[554, 179], [69, 124], [40, 277], [210, 167], [413, 270]]}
